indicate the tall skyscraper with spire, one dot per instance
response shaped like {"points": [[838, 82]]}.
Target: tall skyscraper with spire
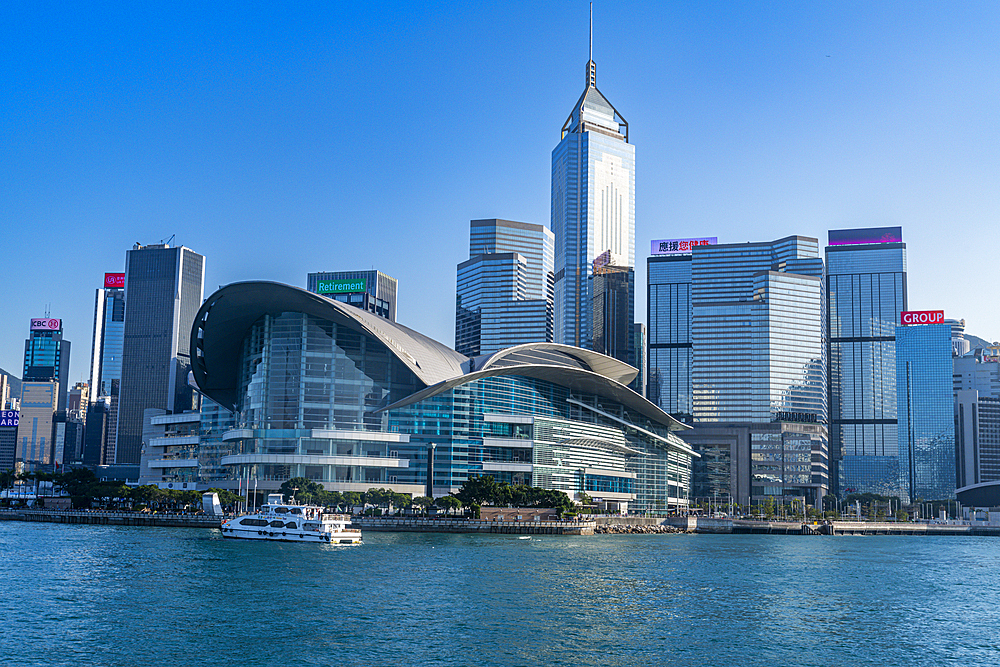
{"points": [[593, 207]]}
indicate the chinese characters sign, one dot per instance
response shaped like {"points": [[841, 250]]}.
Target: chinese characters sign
{"points": [[680, 246]]}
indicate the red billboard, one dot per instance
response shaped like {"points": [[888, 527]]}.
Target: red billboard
{"points": [[46, 324], [922, 317], [112, 280]]}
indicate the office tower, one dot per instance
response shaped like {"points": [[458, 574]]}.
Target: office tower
{"points": [[926, 416], [8, 437], [669, 320], [95, 439], [46, 356], [106, 356], [79, 397], [163, 290], [504, 290], [866, 292], [36, 427], [373, 291], [757, 332], [641, 353], [976, 385], [737, 340], [613, 307], [593, 206]]}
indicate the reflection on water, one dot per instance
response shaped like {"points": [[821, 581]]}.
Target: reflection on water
{"points": [[101, 595]]}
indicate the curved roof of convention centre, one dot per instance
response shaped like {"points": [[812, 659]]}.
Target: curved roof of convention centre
{"points": [[227, 315], [555, 354]]}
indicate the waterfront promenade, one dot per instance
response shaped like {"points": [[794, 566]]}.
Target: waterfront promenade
{"points": [[588, 526]]}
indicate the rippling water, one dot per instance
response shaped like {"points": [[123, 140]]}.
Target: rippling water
{"points": [[99, 595]]}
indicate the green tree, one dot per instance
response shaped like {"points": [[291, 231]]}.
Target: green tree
{"points": [[478, 490], [422, 503], [302, 489], [449, 503]]}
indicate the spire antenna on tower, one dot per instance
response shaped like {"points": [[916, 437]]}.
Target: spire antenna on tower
{"points": [[591, 31]]}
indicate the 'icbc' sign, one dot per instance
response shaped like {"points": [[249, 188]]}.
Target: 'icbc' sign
{"points": [[46, 324], [112, 280], [922, 317]]}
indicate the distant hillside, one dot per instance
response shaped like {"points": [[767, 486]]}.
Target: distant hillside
{"points": [[15, 383], [976, 342]]}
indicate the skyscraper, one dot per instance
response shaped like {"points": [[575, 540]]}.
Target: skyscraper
{"points": [[106, 358], [593, 206], [163, 290], [613, 309], [46, 356], [373, 290], [866, 292], [504, 289], [926, 412], [737, 341]]}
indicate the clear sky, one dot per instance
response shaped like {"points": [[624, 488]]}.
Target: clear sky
{"points": [[282, 138]]}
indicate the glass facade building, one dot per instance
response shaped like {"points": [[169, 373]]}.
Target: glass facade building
{"points": [[46, 359], [106, 362], [613, 290], [593, 206], [866, 291], [373, 291], [327, 394], [925, 412], [737, 337], [163, 291], [504, 289], [669, 320]]}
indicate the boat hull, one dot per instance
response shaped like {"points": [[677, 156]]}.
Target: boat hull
{"points": [[290, 535]]}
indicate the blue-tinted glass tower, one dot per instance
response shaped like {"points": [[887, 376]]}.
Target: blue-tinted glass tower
{"points": [[46, 356], [593, 207], [926, 412], [504, 289], [866, 291]]}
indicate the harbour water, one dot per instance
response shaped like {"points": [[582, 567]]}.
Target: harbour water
{"points": [[124, 596]]}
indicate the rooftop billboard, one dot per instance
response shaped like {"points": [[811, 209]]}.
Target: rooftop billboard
{"points": [[46, 324], [866, 235], [680, 246], [9, 417], [340, 286], [114, 280], [921, 317]]}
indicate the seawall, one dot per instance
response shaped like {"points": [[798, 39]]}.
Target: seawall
{"points": [[112, 518]]}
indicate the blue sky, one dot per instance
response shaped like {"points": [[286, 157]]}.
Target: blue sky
{"points": [[278, 140]]}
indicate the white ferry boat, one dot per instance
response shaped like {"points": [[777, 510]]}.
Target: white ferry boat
{"points": [[283, 522]]}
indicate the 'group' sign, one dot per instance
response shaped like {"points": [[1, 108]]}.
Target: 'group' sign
{"points": [[921, 317]]}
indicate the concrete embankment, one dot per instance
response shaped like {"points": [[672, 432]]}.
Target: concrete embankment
{"points": [[112, 518], [413, 525]]}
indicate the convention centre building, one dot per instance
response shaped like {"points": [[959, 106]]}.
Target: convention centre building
{"points": [[333, 393]]}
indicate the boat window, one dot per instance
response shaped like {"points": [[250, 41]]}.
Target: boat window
{"points": [[281, 510], [291, 524], [310, 526], [253, 522], [277, 524], [295, 510]]}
